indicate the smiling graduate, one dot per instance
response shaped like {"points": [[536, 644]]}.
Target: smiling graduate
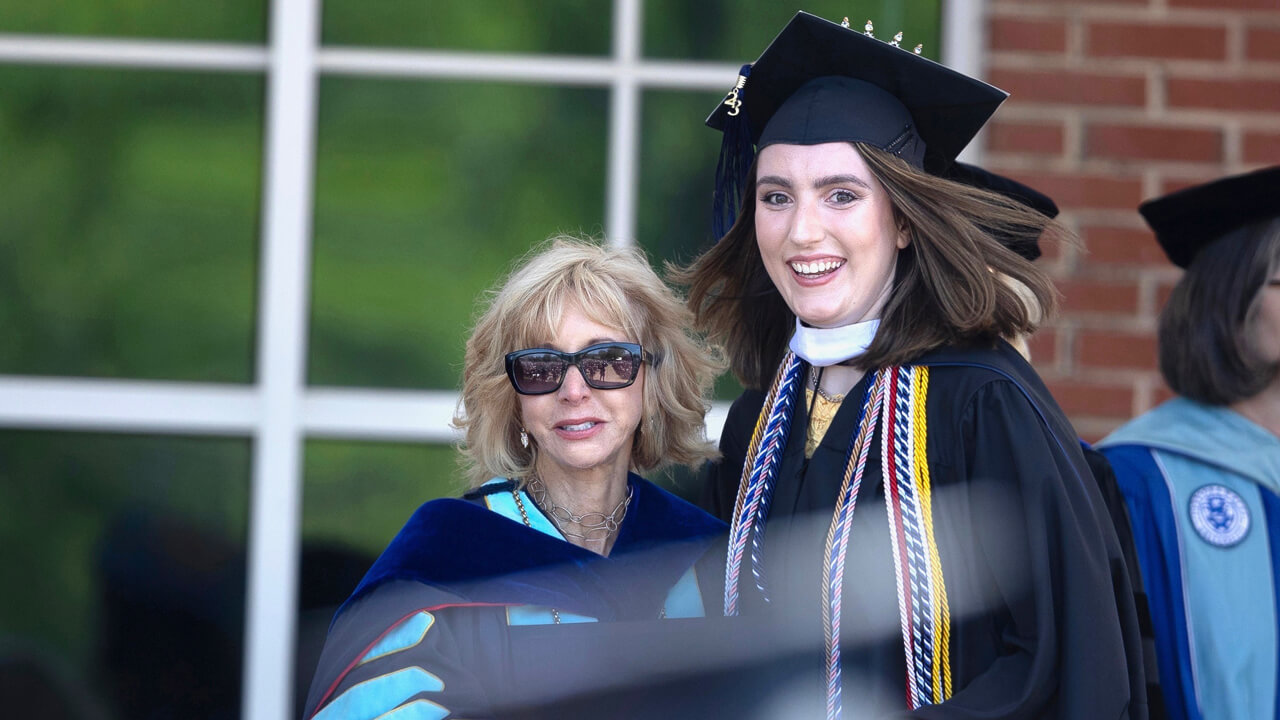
{"points": [[903, 490]]}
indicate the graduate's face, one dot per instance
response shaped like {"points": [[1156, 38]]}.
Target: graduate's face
{"points": [[580, 428], [826, 232]]}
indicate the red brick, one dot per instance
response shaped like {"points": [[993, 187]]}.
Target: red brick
{"points": [[1227, 4], [1224, 94], [1052, 244], [1263, 44], [1262, 148], [1040, 138], [1149, 40], [1095, 399], [1086, 296], [1009, 33], [1073, 88], [1171, 184], [1115, 349], [1120, 246], [1079, 2], [1044, 347], [1071, 191], [1148, 142], [1089, 431]]}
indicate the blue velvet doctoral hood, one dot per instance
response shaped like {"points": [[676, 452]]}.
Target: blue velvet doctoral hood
{"points": [[472, 552]]}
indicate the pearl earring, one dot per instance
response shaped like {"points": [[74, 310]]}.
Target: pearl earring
{"points": [[524, 438]]}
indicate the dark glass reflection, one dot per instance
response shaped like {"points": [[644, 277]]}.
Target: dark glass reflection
{"points": [[125, 566]]}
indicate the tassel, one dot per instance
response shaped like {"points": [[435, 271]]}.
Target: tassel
{"points": [[737, 152]]}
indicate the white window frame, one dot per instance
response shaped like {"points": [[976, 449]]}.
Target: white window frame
{"points": [[279, 411]]}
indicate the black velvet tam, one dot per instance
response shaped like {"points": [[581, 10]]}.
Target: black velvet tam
{"points": [[982, 178], [1190, 219], [820, 82]]}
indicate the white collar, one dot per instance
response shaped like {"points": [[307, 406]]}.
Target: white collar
{"points": [[822, 347]]}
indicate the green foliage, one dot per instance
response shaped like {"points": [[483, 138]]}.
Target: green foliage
{"points": [[739, 31], [128, 223], [359, 494], [425, 194], [236, 20], [573, 27]]}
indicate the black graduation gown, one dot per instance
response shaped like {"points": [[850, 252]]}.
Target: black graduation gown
{"points": [[1043, 620]]}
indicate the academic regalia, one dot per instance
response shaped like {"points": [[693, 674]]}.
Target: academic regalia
{"points": [[1201, 482], [1032, 570], [472, 612], [1202, 485]]}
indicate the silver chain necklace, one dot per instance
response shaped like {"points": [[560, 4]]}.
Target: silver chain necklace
{"points": [[524, 515], [595, 526]]}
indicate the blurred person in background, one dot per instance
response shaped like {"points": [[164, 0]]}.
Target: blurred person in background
{"points": [[860, 301], [1201, 472], [579, 374], [1098, 464]]}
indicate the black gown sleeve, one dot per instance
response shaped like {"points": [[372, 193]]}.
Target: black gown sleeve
{"points": [[1063, 610], [721, 478], [379, 658], [1119, 513]]}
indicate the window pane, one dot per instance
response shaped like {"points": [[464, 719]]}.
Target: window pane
{"points": [[677, 173], [128, 222], [358, 494], [739, 32], [571, 27], [129, 552], [425, 194], [240, 20]]}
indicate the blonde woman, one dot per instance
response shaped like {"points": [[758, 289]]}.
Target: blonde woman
{"points": [[578, 375]]}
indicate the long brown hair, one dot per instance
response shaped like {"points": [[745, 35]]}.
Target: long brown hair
{"points": [[947, 286]]}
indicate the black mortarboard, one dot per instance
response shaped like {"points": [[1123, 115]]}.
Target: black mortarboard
{"points": [[820, 81], [979, 177], [1190, 219]]}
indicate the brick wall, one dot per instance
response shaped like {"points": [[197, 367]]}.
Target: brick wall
{"points": [[1114, 102]]}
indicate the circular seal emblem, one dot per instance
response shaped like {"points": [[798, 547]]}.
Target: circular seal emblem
{"points": [[1219, 515]]}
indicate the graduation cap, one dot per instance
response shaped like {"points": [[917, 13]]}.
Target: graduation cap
{"points": [[821, 82], [1190, 219], [982, 178]]}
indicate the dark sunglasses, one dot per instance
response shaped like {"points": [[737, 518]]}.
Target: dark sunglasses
{"points": [[607, 366]]}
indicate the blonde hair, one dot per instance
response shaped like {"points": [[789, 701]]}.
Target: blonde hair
{"points": [[614, 287]]}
